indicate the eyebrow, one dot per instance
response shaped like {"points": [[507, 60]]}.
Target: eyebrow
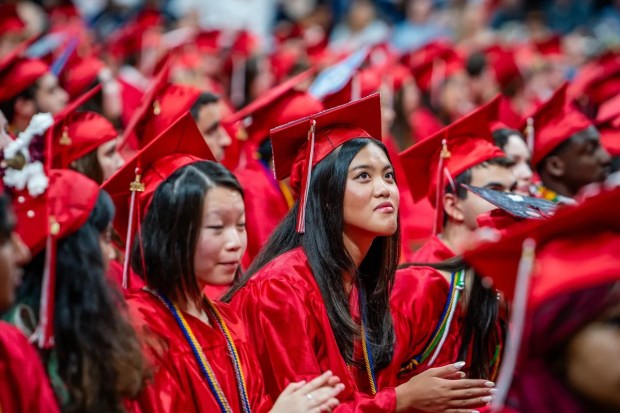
{"points": [[355, 168], [213, 127], [512, 186]]}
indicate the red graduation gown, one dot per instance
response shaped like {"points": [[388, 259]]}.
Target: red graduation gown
{"points": [[417, 302], [286, 317], [265, 205], [24, 386], [178, 384], [416, 219], [432, 251]]}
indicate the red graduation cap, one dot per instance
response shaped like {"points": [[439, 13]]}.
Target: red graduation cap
{"points": [[505, 117], [298, 146], [434, 63], [78, 134], [550, 47], [80, 74], [280, 105], [132, 186], [47, 218], [576, 248], [161, 105], [504, 66], [448, 153], [554, 122], [17, 73]]}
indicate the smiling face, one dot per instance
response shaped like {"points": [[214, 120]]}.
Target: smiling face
{"points": [[222, 239], [371, 197]]}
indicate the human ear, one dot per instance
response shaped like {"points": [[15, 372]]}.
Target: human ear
{"points": [[452, 206]]}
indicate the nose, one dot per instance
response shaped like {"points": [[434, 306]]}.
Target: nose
{"points": [[22, 253], [604, 156], [233, 240], [382, 188], [64, 96], [118, 161], [225, 139]]}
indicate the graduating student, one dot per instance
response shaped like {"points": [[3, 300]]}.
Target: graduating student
{"points": [[570, 349], [317, 297], [24, 386], [85, 141], [461, 319], [438, 167], [66, 303], [567, 152], [191, 235], [28, 87]]}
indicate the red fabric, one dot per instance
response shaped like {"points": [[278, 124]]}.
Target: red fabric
{"points": [[24, 386], [433, 250], [424, 124], [131, 97], [115, 274], [178, 384], [20, 74], [416, 219], [286, 317], [265, 206], [418, 298]]}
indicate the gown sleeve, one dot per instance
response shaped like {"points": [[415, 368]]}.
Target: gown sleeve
{"points": [[292, 346], [24, 386]]}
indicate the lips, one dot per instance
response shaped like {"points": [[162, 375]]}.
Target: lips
{"points": [[386, 207]]}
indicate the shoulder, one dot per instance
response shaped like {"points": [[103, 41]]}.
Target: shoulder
{"points": [[291, 268], [418, 284], [15, 350]]}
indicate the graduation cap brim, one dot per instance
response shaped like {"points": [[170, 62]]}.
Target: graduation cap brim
{"points": [[520, 206], [287, 140]]}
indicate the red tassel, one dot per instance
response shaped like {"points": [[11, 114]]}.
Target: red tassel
{"points": [[305, 183], [135, 186], [44, 335]]}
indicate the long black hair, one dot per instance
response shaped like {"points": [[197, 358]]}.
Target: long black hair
{"points": [[482, 316], [171, 227], [99, 357], [324, 246]]}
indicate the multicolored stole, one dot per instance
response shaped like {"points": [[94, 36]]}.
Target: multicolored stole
{"points": [[201, 359], [457, 285]]}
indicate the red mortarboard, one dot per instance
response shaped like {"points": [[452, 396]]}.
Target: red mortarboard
{"points": [[280, 105], [17, 73], [468, 142], [576, 248], [554, 122], [448, 153], [10, 20], [298, 146], [208, 41], [363, 83], [550, 47], [504, 66], [80, 74], [505, 116], [132, 186], [162, 104], [433, 63], [78, 134]]}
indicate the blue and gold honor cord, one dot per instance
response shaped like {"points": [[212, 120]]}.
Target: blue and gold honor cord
{"points": [[201, 359], [368, 358]]}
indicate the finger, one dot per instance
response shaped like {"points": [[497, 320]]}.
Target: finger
{"points": [[472, 393], [317, 382], [469, 384], [329, 405], [333, 381], [475, 402], [460, 411], [445, 370], [319, 396], [456, 376], [292, 387]]}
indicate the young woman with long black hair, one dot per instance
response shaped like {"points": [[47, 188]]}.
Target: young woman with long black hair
{"points": [[192, 235], [317, 297], [95, 362]]}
